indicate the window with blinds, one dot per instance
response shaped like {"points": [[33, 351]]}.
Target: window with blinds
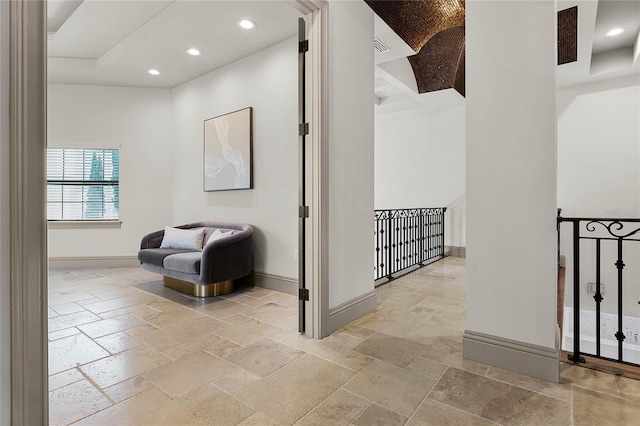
{"points": [[83, 184]]}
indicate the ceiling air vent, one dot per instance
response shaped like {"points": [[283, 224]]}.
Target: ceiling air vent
{"points": [[380, 47]]}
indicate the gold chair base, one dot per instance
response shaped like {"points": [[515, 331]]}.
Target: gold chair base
{"points": [[208, 290]]}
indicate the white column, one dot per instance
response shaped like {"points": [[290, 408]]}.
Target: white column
{"points": [[511, 185], [350, 152]]}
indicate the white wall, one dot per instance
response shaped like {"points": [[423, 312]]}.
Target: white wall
{"points": [[268, 82], [599, 176], [599, 151], [5, 318], [420, 162], [351, 134], [511, 170], [136, 120]]}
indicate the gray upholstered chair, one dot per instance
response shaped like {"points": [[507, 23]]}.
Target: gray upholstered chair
{"points": [[206, 272]]}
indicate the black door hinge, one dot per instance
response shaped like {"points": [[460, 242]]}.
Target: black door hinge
{"points": [[303, 129], [303, 294], [303, 46], [303, 211]]}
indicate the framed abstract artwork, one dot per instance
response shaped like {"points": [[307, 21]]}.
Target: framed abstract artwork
{"points": [[228, 143]]}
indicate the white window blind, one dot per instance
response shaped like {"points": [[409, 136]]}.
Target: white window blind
{"points": [[83, 184]]}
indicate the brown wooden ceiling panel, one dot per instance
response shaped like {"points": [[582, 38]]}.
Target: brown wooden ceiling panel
{"points": [[416, 21], [438, 64], [568, 35]]}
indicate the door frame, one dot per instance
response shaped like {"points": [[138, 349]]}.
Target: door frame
{"points": [[26, 215], [26, 218], [315, 253]]}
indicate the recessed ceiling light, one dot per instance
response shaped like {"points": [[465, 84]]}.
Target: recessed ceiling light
{"points": [[193, 52], [154, 72], [247, 24], [614, 32]]}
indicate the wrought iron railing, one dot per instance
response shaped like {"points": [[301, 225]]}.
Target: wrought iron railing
{"points": [[594, 233], [405, 238]]}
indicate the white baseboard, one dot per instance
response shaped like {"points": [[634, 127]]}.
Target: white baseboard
{"points": [[531, 360], [93, 262], [274, 282], [350, 311]]}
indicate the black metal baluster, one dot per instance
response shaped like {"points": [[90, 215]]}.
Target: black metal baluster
{"points": [[421, 237], [389, 240], [619, 334], [576, 293], [597, 297]]}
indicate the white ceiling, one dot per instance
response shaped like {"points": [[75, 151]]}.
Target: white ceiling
{"points": [[599, 57], [115, 42]]}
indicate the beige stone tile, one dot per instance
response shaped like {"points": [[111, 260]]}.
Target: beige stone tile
{"points": [[377, 415], [63, 333], [123, 311], [178, 334], [111, 325], [427, 367], [125, 365], [257, 292], [353, 360], [86, 302], [629, 388], [116, 293], [67, 308], [330, 348], [117, 342], [272, 313], [589, 379], [497, 401], [236, 319], [222, 308], [61, 299], [290, 392], [258, 419], [164, 305], [595, 408], [435, 413], [211, 343], [235, 380], [283, 299], [64, 378], [390, 386], [188, 373], [71, 320], [86, 401], [168, 318], [339, 409], [264, 357], [73, 351], [448, 351], [248, 332], [139, 331], [395, 322], [216, 407], [555, 390], [121, 302], [124, 390], [357, 331], [250, 301], [394, 350], [148, 408]]}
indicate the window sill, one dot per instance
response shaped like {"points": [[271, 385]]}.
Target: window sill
{"points": [[84, 224]]}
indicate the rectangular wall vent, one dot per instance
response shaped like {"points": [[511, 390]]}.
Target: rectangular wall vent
{"points": [[380, 47]]}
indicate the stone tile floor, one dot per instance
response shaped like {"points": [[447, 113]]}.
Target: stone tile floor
{"points": [[125, 351]]}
